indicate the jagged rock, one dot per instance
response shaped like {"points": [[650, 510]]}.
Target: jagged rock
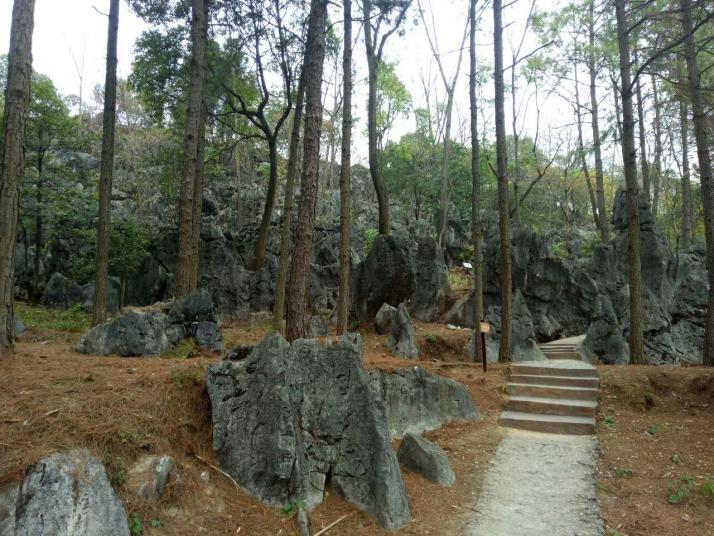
{"points": [[68, 494], [493, 319], [402, 337], [291, 418], [384, 318], [317, 326], [417, 401], [427, 459], [385, 276], [148, 477], [604, 341], [8, 500], [207, 335], [239, 353], [462, 312], [196, 307], [547, 328], [431, 282], [60, 291]]}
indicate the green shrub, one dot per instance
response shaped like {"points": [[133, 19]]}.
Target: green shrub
{"points": [[73, 320], [559, 250], [135, 526], [181, 377], [708, 489], [370, 235], [679, 489]]}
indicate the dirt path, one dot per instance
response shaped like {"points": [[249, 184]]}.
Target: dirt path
{"points": [[539, 485]]}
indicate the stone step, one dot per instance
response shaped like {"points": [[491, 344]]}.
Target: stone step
{"points": [[552, 406], [566, 381], [551, 391], [555, 424], [542, 368], [561, 355], [544, 347]]}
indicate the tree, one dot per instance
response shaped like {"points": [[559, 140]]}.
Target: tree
{"points": [[391, 12], [343, 293], [296, 321], [12, 158], [701, 135], [129, 243], [191, 195], [476, 186], [629, 154], [687, 220], [504, 224], [107, 167]]}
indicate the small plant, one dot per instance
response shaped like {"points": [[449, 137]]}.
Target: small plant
{"points": [[677, 459], [679, 489], [181, 377], [116, 470], [559, 251], [183, 350], [293, 506], [649, 397], [458, 280], [609, 421], [624, 472], [135, 526], [708, 489], [431, 338], [614, 532], [370, 235], [652, 430], [156, 523]]}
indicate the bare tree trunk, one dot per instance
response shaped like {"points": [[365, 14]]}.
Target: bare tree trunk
{"points": [[261, 240], [195, 115], [293, 166], [107, 168], [581, 150], [375, 169], [516, 212], [343, 293], [657, 175], [646, 177], [701, 135], [504, 225], [599, 176], [629, 152], [475, 187], [687, 223], [12, 157], [198, 195], [296, 322]]}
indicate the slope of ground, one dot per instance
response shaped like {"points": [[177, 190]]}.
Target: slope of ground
{"points": [[656, 427], [52, 398]]}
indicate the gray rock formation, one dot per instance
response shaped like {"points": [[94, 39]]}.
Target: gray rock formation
{"points": [[385, 276], [291, 419], [417, 401], [427, 459], [8, 501], [431, 282], [68, 494], [402, 337], [317, 326], [604, 341], [384, 318], [149, 476]]}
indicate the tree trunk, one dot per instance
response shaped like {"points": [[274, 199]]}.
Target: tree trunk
{"points": [[261, 240], [504, 225], [444, 198], [595, 122], [475, 187], [343, 294], [581, 150], [375, 169], [192, 160], [646, 177], [293, 165], [657, 175], [107, 168], [516, 213], [637, 355], [701, 135], [197, 218], [296, 321], [12, 157], [687, 223]]}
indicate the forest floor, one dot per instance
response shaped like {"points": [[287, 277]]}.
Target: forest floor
{"points": [[655, 425]]}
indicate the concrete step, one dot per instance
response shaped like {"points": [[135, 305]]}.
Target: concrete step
{"points": [[566, 381], [552, 406], [554, 347], [551, 391], [561, 355], [542, 368], [556, 424]]}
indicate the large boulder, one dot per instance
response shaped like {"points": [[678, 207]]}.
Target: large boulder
{"points": [[431, 281], [427, 459], [290, 419], [61, 291], [402, 337], [417, 401], [384, 318], [68, 494], [385, 276], [604, 341]]}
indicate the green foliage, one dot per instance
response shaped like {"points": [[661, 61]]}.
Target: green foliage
{"points": [[708, 489], [293, 506], [458, 280], [652, 430], [624, 472], [370, 235], [183, 350], [393, 99], [183, 377], [116, 470], [431, 338], [559, 250], [135, 526], [677, 459], [129, 242], [679, 489], [608, 421], [73, 320]]}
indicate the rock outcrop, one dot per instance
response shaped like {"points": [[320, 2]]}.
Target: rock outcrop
{"points": [[291, 419], [604, 341], [383, 319], [431, 282], [427, 459], [402, 337], [417, 401], [149, 476], [67, 494]]}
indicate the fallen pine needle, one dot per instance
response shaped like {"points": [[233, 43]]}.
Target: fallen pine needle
{"points": [[209, 464], [328, 527], [52, 412]]}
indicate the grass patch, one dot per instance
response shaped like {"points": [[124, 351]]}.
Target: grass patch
{"points": [[460, 280], [679, 489], [72, 320], [183, 350], [182, 377]]}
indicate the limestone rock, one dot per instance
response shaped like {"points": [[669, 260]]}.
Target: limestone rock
{"points": [[417, 401], [291, 418], [133, 334], [427, 459], [402, 337], [524, 338], [604, 340], [431, 281], [69, 494], [148, 477], [317, 326], [8, 500], [384, 317], [207, 335]]}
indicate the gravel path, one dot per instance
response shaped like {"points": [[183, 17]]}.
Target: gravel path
{"points": [[539, 485]]}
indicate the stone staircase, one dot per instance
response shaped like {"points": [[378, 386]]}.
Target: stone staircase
{"points": [[563, 348], [556, 396]]}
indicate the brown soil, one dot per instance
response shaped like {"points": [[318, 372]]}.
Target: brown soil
{"points": [[52, 398], [656, 427]]}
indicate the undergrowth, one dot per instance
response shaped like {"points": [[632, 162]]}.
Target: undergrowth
{"points": [[73, 320]]}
